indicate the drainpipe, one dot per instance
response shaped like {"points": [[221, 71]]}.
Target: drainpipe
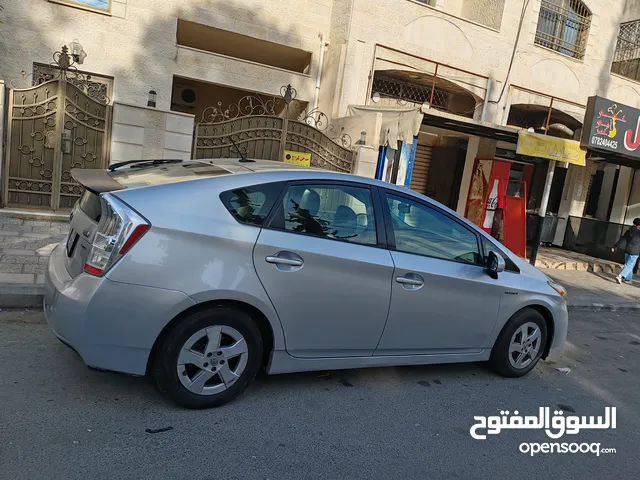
{"points": [[485, 104], [319, 75]]}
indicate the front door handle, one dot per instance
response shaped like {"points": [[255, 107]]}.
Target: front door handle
{"points": [[284, 261], [411, 281]]}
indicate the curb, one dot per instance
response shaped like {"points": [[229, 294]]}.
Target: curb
{"points": [[610, 307], [26, 215], [21, 296]]}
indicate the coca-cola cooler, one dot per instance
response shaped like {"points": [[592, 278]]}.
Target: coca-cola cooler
{"points": [[488, 205]]}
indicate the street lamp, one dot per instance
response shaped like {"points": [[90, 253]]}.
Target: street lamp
{"points": [[77, 52], [151, 102]]}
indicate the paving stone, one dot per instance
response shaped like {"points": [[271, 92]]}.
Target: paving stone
{"points": [[42, 260], [37, 223], [17, 278], [33, 268], [17, 251], [40, 279], [10, 232], [21, 259], [12, 268], [10, 220], [38, 235]]}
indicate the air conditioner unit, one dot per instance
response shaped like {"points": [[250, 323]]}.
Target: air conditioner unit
{"points": [[183, 95]]}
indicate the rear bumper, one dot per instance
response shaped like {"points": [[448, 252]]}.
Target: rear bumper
{"points": [[111, 325]]}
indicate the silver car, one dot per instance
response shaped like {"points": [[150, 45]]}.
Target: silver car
{"points": [[199, 273]]}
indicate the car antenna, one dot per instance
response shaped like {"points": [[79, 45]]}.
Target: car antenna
{"points": [[243, 159]]}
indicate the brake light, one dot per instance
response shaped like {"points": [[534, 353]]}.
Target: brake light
{"points": [[119, 229]]}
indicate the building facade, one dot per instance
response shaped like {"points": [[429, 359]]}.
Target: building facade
{"points": [[477, 71]]}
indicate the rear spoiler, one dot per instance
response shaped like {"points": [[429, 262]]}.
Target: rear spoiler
{"points": [[96, 180]]}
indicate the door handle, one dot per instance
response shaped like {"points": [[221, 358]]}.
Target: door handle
{"points": [[410, 281], [284, 261]]}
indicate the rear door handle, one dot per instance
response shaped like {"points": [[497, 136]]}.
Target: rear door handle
{"points": [[284, 261]]}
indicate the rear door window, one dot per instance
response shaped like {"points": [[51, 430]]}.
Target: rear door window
{"points": [[251, 205], [335, 212], [89, 203]]}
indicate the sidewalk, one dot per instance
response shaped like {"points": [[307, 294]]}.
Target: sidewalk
{"points": [[25, 246]]}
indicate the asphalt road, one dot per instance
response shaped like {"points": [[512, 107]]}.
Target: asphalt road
{"points": [[60, 420]]}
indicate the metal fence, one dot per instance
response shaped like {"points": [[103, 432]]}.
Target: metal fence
{"points": [[594, 237]]}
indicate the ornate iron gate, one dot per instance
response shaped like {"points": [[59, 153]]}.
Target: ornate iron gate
{"points": [[259, 132], [54, 126]]}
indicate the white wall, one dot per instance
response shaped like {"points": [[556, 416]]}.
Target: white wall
{"points": [[136, 44], [148, 133]]}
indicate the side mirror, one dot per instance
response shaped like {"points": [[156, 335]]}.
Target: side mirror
{"points": [[495, 264]]}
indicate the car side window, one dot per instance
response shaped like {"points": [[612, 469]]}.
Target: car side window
{"points": [[335, 212], [252, 204], [422, 230], [490, 247]]}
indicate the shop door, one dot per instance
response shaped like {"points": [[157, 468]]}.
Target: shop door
{"points": [[445, 174]]}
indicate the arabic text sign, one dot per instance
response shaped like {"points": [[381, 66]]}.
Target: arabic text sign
{"points": [[611, 127], [551, 148], [297, 158], [555, 426]]}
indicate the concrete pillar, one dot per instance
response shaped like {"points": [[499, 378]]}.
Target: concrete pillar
{"points": [[366, 161], [621, 195], [606, 192], [574, 196], [483, 148]]}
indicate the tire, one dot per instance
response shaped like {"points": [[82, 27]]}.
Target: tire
{"points": [[173, 369], [500, 361]]}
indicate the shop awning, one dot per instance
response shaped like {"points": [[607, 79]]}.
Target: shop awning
{"points": [[448, 121]]}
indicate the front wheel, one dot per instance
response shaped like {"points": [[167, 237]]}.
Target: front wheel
{"points": [[520, 344], [209, 358]]}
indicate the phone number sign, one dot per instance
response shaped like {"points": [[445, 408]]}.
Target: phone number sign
{"points": [[297, 158]]}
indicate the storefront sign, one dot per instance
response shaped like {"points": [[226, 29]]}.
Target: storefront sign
{"points": [[551, 148], [611, 127], [297, 158]]}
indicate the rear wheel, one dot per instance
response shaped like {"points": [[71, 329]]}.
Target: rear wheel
{"points": [[209, 358], [520, 344]]}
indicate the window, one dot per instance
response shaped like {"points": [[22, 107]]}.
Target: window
{"points": [[422, 230], [336, 212], [102, 5], [626, 59], [251, 204], [563, 26]]}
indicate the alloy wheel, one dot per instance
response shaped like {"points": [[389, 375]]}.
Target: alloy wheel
{"points": [[525, 345], [212, 360]]}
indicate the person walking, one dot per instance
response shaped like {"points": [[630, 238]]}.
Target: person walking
{"points": [[631, 242]]}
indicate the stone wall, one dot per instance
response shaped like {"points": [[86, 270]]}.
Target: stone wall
{"points": [[147, 133]]}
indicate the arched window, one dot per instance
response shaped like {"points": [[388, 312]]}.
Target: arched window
{"points": [[563, 26]]}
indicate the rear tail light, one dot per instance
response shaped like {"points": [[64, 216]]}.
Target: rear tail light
{"points": [[119, 229]]}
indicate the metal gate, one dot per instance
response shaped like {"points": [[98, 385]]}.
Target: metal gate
{"points": [[260, 132], [54, 126]]}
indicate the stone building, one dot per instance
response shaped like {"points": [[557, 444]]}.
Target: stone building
{"points": [[476, 73]]}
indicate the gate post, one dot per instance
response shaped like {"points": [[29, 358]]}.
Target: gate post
{"points": [[283, 138], [57, 152]]}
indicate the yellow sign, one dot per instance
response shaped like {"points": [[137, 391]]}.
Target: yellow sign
{"points": [[551, 148], [297, 158]]}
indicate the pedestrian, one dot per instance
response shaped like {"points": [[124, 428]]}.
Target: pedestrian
{"points": [[631, 242]]}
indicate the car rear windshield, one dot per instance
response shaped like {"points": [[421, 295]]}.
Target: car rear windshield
{"points": [[146, 175], [89, 203]]}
